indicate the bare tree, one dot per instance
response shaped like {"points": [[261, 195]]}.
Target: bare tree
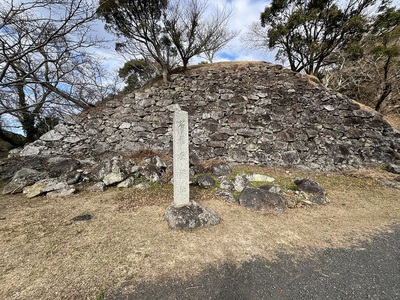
{"points": [[141, 24], [372, 72], [194, 30], [45, 70], [167, 32]]}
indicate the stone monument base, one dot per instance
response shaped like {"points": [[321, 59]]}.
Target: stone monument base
{"points": [[190, 216]]}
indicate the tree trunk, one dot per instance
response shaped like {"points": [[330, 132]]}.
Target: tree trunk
{"points": [[166, 75], [386, 91]]}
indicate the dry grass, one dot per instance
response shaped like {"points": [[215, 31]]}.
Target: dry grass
{"points": [[393, 119], [45, 256]]}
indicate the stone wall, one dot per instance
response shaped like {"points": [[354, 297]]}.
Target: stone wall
{"points": [[255, 113]]}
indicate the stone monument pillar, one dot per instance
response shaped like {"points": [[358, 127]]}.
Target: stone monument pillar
{"points": [[183, 213], [181, 158]]}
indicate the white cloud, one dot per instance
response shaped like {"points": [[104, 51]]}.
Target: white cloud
{"points": [[244, 13]]}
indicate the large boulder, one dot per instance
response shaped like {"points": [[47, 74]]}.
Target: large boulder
{"points": [[312, 187], [23, 178], [260, 199], [309, 186], [64, 167], [111, 171], [190, 216], [9, 167], [44, 186]]}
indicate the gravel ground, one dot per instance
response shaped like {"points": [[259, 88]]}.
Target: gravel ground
{"points": [[369, 271]]}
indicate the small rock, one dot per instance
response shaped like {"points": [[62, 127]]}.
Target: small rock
{"points": [[130, 181], [395, 169], [98, 187], [190, 216], [320, 199], [329, 107], [14, 152], [142, 186], [221, 169], [392, 185], [240, 183], [205, 181], [259, 178], [85, 217], [111, 171], [227, 196], [271, 188], [309, 186], [61, 193], [72, 177], [226, 185], [260, 199], [153, 169]]}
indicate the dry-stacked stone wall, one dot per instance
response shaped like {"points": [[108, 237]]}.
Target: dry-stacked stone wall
{"points": [[253, 113]]}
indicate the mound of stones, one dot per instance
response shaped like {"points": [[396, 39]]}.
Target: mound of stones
{"points": [[241, 113], [61, 176]]}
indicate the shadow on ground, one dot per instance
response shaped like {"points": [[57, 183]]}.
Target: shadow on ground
{"points": [[369, 271]]}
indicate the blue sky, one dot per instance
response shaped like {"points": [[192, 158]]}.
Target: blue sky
{"points": [[244, 12]]}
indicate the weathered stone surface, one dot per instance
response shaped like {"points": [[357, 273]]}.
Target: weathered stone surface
{"points": [[110, 171], [31, 150], [51, 136], [240, 183], [65, 192], [129, 182], [9, 167], [309, 186], [259, 178], [205, 181], [64, 167], [273, 188], [221, 169], [97, 187], [153, 169], [14, 152], [320, 199], [44, 186], [227, 196], [259, 199], [72, 177], [23, 178], [190, 216], [181, 171], [226, 185], [395, 169]]}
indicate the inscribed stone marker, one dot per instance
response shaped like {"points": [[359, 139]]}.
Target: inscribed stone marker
{"points": [[181, 158]]}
